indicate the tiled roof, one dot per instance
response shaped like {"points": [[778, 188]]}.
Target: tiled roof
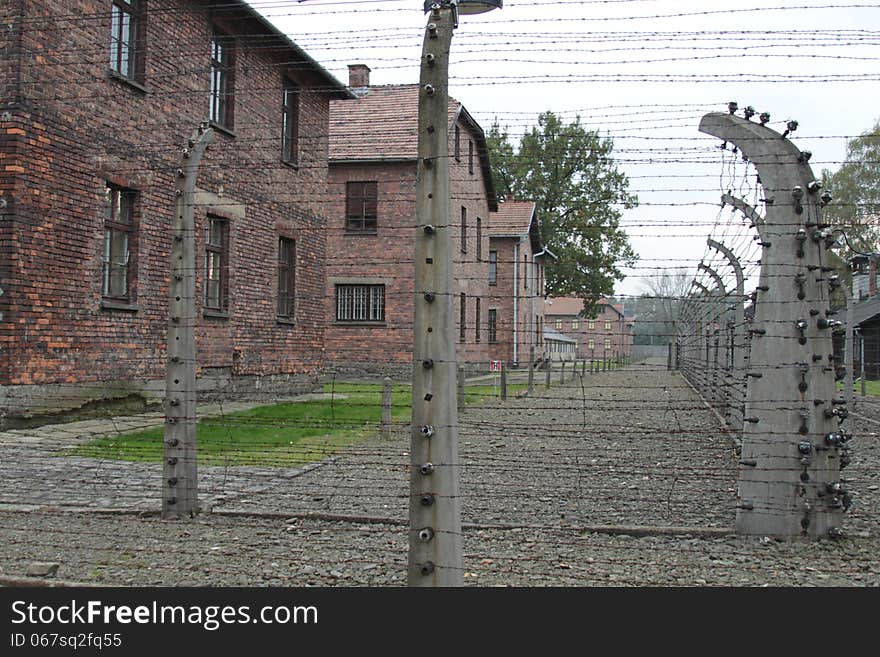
{"points": [[864, 311], [381, 125], [573, 306], [513, 219], [563, 306]]}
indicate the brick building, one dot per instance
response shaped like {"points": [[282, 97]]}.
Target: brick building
{"points": [[371, 230], [516, 284], [98, 100], [606, 336]]}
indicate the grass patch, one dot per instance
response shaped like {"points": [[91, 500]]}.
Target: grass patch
{"points": [[872, 388], [281, 435]]}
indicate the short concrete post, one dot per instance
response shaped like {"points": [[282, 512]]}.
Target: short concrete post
{"points": [[386, 408]]}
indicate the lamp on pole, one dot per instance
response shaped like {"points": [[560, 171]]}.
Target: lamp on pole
{"points": [[435, 505]]}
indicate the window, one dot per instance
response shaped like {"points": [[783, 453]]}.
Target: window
{"points": [[575, 324], [591, 344], [470, 156], [479, 239], [360, 303], [463, 229], [477, 320], [608, 343], [286, 277], [607, 326], [289, 122], [361, 206], [119, 229], [222, 84], [591, 325], [558, 324], [462, 315], [525, 272], [216, 263], [493, 267], [457, 144], [492, 324], [126, 40]]}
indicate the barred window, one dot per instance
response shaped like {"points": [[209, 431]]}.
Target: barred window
{"points": [[477, 320], [493, 267], [492, 323], [462, 317], [360, 303]]}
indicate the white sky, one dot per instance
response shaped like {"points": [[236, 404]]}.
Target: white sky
{"points": [[640, 71]]}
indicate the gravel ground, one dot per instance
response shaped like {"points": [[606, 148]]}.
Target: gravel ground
{"points": [[549, 485]]}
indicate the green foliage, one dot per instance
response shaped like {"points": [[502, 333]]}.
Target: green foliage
{"points": [[856, 190], [569, 172]]}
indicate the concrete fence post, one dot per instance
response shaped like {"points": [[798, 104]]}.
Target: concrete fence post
{"points": [[386, 408]]}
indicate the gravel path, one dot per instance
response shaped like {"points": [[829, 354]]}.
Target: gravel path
{"points": [[547, 483]]}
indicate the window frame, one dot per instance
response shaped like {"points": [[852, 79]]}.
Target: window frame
{"points": [[131, 46], [457, 143], [608, 325], [479, 238], [464, 229], [492, 325], [493, 267], [477, 318], [471, 156], [286, 294], [221, 111], [290, 98], [371, 292], [362, 223], [221, 252], [462, 317], [118, 196], [575, 325]]}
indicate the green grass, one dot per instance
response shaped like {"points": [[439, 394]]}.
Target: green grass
{"points": [[281, 435], [872, 388]]}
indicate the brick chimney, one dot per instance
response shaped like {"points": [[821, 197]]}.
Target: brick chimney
{"points": [[359, 78]]}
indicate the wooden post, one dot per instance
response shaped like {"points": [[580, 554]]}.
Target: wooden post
{"points": [[386, 408], [562, 372], [180, 486], [503, 380], [862, 362], [462, 383], [549, 369]]}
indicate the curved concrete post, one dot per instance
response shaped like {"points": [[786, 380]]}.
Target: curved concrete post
{"points": [[789, 476]]}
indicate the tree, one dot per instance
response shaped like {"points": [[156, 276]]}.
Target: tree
{"points": [[657, 309], [856, 190], [579, 193]]}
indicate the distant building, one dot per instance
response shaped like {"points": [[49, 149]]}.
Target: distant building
{"points": [[516, 284], [606, 336], [559, 347]]}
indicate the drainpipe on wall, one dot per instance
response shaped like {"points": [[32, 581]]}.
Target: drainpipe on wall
{"points": [[515, 298]]}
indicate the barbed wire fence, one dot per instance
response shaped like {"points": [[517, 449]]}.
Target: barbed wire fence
{"points": [[620, 476]]}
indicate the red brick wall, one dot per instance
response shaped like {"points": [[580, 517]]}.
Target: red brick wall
{"points": [[619, 334], [387, 257], [75, 129]]}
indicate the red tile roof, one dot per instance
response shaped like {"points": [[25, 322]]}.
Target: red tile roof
{"points": [[513, 219], [381, 125], [574, 306]]}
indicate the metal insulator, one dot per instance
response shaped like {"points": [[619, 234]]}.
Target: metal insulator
{"points": [[426, 534], [426, 468], [427, 568], [427, 430], [429, 89]]}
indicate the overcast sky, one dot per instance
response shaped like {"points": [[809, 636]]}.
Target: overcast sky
{"points": [[642, 72]]}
